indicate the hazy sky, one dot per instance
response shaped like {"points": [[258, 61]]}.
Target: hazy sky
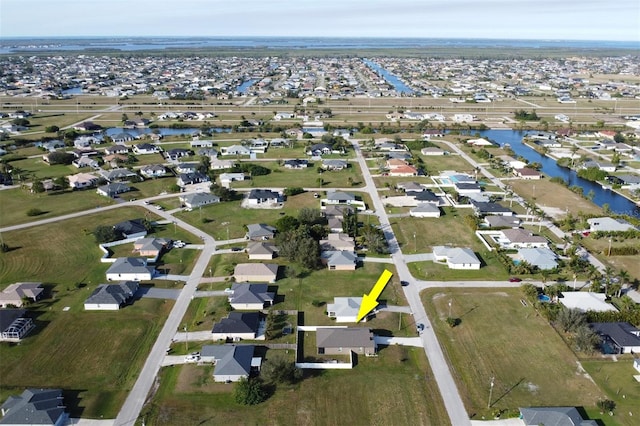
{"points": [[528, 19]]}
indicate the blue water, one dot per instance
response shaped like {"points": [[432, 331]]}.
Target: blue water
{"points": [[544, 298], [617, 203], [161, 43], [516, 262], [72, 91], [164, 131], [246, 85], [397, 84]]}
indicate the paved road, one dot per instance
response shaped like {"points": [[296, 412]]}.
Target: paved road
{"points": [[448, 390]]}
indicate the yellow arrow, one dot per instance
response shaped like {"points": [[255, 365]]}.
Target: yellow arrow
{"points": [[370, 301]]}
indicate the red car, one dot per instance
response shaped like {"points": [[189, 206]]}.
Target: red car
{"points": [[514, 280]]}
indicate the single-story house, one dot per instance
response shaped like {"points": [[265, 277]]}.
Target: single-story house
{"points": [[122, 137], [432, 151], [186, 167], [263, 196], [482, 208], [176, 153], [425, 210], [279, 143], [560, 416], [515, 238], [334, 165], [234, 150], [16, 293], [338, 241], [493, 221], [116, 149], [145, 148], [237, 326], [232, 362], [527, 173], [466, 188], [542, 257], [258, 146], [410, 186], [344, 309], [586, 301], [130, 269], [339, 197], [620, 337], [609, 224], [113, 189], [250, 296], [197, 143], [82, 180], [151, 248], [227, 178], [134, 228], [511, 162], [118, 175], [260, 231], [83, 162], [199, 199], [403, 171], [256, 272], [185, 179], [14, 324], [153, 171], [216, 164], [35, 407], [261, 250], [319, 149], [342, 341], [110, 297], [456, 258], [339, 260], [479, 142], [296, 164]]}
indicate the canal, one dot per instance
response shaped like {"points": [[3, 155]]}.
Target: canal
{"points": [[397, 84], [617, 203]]}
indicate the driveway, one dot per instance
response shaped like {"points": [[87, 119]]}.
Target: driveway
{"points": [[420, 257], [158, 293], [402, 341]]}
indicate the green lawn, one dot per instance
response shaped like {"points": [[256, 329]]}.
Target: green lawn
{"points": [[280, 177], [39, 168], [94, 356], [499, 337], [14, 204], [394, 388]]}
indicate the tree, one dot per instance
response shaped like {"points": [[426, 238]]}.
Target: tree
{"points": [[299, 246], [310, 216], [278, 369], [51, 129], [350, 224], [606, 405], [105, 234], [586, 340], [249, 391], [62, 182], [287, 223], [570, 319], [373, 237], [59, 157], [37, 186]]}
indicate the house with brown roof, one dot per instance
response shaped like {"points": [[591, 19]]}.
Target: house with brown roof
{"points": [[256, 272]]}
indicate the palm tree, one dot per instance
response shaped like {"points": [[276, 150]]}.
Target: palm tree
{"points": [[624, 277], [608, 273]]}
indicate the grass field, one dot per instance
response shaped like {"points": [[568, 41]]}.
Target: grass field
{"points": [[550, 194], [498, 337], [14, 204], [394, 388], [280, 177], [94, 356]]}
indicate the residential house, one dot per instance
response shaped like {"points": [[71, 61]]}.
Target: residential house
{"points": [[467, 188], [232, 362], [600, 165], [296, 164], [425, 196], [493, 221], [516, 238], [15, 294], [87, 126], [540, 257], [400, 168], [227, 178], [344, 309], [339, 260], [234, 150], [410, 186], [334, 165], [176, 153], [14, 325], [338, 241], [262, 197], [82, 181], [261, 250], [339, 197], [278, 143], [527, 173], [153, 171], [116, 149], [511, 162], [586, 301], [112, 190], [185, 179], [284, 116], [433, 133], [481, 208], [618, 337], [342, 341], [425, 210], [559, 416], [479, 142], [145, 148], [260, 231], [432, 151], [130, 269], [456, 258], [150, 247], [86, 141], [256, 272], [250, 296], [319, 149], [83, 162], [118, 175], [238, 326], [197, 143], [114, 160], [198, 199], [122, 137], [258, 146], [217, 164], [110, 297], [131, 229], [187, 167], [35, 407], [609, 224], [52, 145]]}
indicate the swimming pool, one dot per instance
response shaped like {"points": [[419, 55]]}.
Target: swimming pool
{"points": [[544, 298]]}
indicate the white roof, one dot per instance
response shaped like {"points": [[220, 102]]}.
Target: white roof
{"points": [[586, 301]]}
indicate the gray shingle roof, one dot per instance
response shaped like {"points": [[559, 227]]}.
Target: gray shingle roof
{"points": [[231, 360], [109, 294], [251, 293], [344, 337], [129, 265], [34, 407], [554, 416], [238, 322]]}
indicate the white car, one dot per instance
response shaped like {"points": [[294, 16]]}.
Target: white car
{"points": [[192, 357], [158, 207]]}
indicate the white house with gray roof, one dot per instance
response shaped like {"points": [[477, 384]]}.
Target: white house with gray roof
{"points": [[609, 224], [344, 309], [541, 257], [110, 297], [456, 257], [256, 272], [130, 269], [199, 199], [238, 326], [250, 296], [232, 362], [35, 407]]}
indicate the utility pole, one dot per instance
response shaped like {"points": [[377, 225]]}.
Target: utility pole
{"points": [[186, 339], [450, 300], [490, 393]]}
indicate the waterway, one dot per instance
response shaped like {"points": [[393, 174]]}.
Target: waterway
{"points": [[397, 84], [617, 203], [246, 85], [164, 131]]}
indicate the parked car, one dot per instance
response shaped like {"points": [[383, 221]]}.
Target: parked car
{"points": [[420, 327], [192, 357], [404, 283], [236, 248], [514, 280]]}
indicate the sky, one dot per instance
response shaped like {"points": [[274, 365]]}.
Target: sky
{"points": [[617, 20]]}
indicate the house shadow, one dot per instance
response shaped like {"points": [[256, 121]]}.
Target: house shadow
{"points": [[584, 415], [73, 402]]}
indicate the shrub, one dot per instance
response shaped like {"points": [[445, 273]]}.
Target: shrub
{"points": [[249, 392], [34, 212]]}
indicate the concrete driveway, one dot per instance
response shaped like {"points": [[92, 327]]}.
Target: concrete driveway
{"points": [[157, 293], [402, 341]]}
